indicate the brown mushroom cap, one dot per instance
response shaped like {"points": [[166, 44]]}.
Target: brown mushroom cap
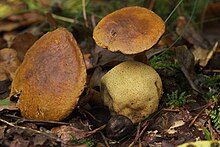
{"points": [[129, 30], [51, 78]]}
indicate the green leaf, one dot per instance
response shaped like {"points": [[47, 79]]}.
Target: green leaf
{"points": [[207, 133], [5, 102]]}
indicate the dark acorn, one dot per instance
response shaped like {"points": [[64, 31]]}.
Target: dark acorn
{"points": [[118, 127]]}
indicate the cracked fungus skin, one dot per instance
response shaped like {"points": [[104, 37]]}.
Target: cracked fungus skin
{"points": [[132, 89], [51, 77], [129, 30]]}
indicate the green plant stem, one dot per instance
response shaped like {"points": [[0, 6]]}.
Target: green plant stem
{"points": [[173, 11]]}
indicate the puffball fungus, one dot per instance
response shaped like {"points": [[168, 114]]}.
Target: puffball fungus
{"points": [[132, 89], [51, 77]]}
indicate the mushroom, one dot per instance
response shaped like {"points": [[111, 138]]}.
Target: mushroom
{"points": [[129, 30], [132, 89], [51, 77]]}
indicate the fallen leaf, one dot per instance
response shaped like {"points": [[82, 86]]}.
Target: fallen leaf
{"points": [[67, 133], [203, 55], [2, 131], [9, 8], [211, 22], [39, 140], [186, 61], [21, 20], [22, 42], [19, 142], [7, 104], [3, 43], [189, 33], [177, 124], [103, 57], [9, 62]]}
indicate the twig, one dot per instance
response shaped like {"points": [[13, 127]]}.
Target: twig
{"points": [[105, 141], [194, 119], [70, 20], [97, 129], [32, 130], [137, 135], [93, 21], [171, 110], [51, 21], [151, 5], [41, 122]]}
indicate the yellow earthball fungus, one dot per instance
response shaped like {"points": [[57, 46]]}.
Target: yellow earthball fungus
{"points": [[132, 89]]}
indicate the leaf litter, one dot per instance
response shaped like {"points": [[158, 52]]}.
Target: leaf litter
{"points": [[86, 125]]}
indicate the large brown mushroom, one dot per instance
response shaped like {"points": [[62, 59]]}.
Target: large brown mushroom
{"points": [[51, 78], [129, 30]]}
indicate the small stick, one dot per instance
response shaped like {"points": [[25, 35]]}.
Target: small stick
{"points": [[66, 19], [151, 5], [137, 135], [19, 119], [104, 138], [32, 130], [194, 119], [97, 129]]}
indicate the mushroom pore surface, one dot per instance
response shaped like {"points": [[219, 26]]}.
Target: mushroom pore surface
{"points": [[132, 89], [51, 78]]}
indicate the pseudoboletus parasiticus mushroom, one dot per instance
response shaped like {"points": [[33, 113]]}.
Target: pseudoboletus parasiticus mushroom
{"points": [[132, 89], [129, 30], [51, 78]]}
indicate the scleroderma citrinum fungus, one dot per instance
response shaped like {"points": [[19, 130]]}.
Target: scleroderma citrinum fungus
{"points": [[51, 78], [132, 89], [129, 30]]}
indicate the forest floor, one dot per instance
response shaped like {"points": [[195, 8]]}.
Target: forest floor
{"points": [[187, 58]]}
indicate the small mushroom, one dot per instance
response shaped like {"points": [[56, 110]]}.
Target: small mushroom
{"points": [[129, 30], [132, 89], [51, 77]]}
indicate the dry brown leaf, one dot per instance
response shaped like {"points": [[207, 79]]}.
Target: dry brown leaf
{"points": [[189, 33], [211, 22], [9, 62], [22, 42], [177, 124], [9, 105], [203, 55], [10, 7], [66, 133], [20, 20], [186, 62], [103, 57]]}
